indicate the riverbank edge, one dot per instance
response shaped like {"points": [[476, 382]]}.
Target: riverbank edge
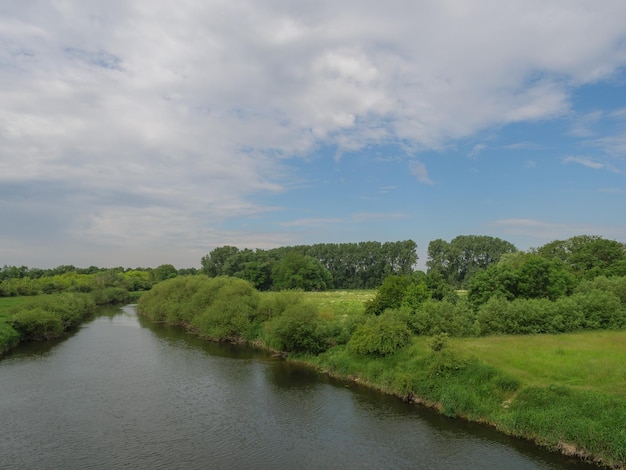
{"points": [[564, 448], [569, 449], [10, 338]]}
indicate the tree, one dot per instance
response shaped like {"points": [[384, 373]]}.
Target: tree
{"points": [[588, 256], [163, 272], [390, 294], [466, 255], [380, 336], [213, 263], [296, 271], [522, 275]]}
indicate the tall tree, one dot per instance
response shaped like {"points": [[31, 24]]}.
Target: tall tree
{"points": [[297, 271], [465, 255], [213, 263]]}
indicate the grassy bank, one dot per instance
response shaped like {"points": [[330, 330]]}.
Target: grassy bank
{"points": [[565, 392], [545, 388], [49, 316]]}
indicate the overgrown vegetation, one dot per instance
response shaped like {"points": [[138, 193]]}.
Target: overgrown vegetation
{"points": [[50, 316]]}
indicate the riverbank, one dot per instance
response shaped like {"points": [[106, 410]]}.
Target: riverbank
{"points": [[528, 387], [566, 392], [50, 316]]}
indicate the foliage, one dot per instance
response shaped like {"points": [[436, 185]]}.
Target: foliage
{"points": [[381, 335], [460, 259], [299, 329], [274, 304], [588, 256], [297, 271], [163, 272], [35, 282], [439, 342], [594, 309], [110, 295], [361, 265], [390, 295], [443, 317], [48, 317], [521, 275]]}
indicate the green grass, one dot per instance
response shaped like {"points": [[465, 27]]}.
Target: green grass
{"points": [[565, 391], [9, 303], [338, 303], [592, 360]]}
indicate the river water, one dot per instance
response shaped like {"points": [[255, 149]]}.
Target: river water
{"points": [[123, 392]]}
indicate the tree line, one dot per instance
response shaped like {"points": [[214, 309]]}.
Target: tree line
{"points": [[18, 281], [565, 285], [321, 266]]}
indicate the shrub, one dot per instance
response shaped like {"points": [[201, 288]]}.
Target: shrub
{"points": [[273, 304], [435, 317], [601, 310], [37, 324], [110, 295], [225, 319], [299, 329], [382, 335]]}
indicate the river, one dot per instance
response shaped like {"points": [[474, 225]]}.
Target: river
{"points": [[122, 392]]}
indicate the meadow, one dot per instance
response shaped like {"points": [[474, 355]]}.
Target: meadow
{"points": [[564, 391]]}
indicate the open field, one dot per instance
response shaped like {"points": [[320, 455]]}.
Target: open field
{"points": [[591, 360], [336, 303]]}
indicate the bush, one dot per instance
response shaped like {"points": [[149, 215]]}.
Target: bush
{"points": [[110, 295], [225, 319], [601, 310], [435, 317], [382, 335], [274, 304], [299, 329], [38, 324]]}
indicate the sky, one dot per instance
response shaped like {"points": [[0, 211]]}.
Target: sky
{"points": [[137, 133]]}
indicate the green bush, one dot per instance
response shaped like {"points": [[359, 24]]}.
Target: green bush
{"points": [[9, 337], [435, 317], [38, 324], [274, 304], [299, 329], [47, 317], [110, 295], [225, 319], [382, 335]]}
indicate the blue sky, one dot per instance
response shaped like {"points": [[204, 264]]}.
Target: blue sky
{"points": [[137, 133]]}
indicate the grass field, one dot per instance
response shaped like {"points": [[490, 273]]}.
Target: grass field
{"points": [[592, 360], [7, 303], [336, 303]]}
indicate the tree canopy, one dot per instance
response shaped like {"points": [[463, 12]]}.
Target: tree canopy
{"points": [[464, 256]]}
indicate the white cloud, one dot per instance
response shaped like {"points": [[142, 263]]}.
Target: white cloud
{"points": [[590, 163], [418, 169], [189, 109], [476, 149]]}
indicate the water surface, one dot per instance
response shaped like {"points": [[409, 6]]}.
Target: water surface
{"points": [[123, 392]]}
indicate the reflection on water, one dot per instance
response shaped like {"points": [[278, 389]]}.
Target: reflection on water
{"points": [[125, 392]]}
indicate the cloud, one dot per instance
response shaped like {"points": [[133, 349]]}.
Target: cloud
{"points": [[166, 120], [589, 163], [476, 149], [418, 169]]}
